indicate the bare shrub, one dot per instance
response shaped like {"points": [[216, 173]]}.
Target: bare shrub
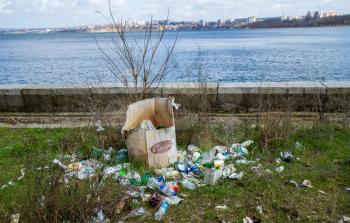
{"points": [[194, 121], [273, 126], [138, 65]]}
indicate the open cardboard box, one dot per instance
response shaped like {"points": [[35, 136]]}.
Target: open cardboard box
{"points": [[155, 148]]}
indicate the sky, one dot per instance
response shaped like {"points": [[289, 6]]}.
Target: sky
{"points": [[66, 13]]}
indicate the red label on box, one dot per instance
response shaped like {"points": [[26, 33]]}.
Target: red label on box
{"points": [[162, 147]]}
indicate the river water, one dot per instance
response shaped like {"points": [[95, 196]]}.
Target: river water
{"points": [[300, 54]]}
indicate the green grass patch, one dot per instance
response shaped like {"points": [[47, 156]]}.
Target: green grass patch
{"points": [[41, 197]]}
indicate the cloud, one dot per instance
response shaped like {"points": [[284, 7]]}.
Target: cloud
{"points": [[4, 4]]}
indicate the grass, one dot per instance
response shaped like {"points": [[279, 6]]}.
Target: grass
{"points": [[40, 197]]}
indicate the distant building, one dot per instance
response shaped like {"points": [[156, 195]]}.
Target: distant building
{"points": [[219, 22], [291, 18], [251, 19], [317, 15], [308, 15], [202, 22], [242, 21], [329, 14], [260, 19], [229, 21]]}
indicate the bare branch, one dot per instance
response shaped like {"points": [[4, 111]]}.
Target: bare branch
{"points": [[137, 64]]}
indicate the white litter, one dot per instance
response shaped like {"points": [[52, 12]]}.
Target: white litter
{"points": [[322, 192], [247, 220], [280, 169], [259, 209], [307, 183], [222, 207], [99, 127]]}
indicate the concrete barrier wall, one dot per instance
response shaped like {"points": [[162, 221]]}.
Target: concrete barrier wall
{"points": [[219, 97]]}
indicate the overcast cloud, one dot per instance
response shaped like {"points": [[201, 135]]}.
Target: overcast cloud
{"points": [[59, 13]]}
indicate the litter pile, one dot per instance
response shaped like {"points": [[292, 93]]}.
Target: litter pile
{"points": [[192, 169]]}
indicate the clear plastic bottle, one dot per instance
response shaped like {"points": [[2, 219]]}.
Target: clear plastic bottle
{"points": [[153, 183], [188, 184], [165, 189], [163, 209]]}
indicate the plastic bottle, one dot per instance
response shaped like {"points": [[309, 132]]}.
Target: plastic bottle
{"points": [[122, 156], [122, 172], [207, 158], [181, 167], [187, 184], [208, 165], [138, 212], [161, 179], [163, 209], [173, 185], [165, 189], [134, 178], [144, 179], [153, 183], [195, 170]]}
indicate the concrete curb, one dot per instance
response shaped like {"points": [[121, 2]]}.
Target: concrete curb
{"points": [[223, 97]]}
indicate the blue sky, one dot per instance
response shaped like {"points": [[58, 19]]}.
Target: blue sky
{"points": [[59, 13]]}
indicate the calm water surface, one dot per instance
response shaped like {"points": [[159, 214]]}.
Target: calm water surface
{"points": [[239, 55]]}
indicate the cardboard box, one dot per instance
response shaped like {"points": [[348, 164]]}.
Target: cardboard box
{"points": [[155, 147]]}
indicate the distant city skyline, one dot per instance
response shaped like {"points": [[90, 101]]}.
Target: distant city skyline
{"points": [[65, 13]]}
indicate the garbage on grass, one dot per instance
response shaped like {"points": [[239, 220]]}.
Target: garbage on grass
{"points": [[244, 161], [15, 218], [287, 156], [228, 170], [195, 169], [279, 169], [163, 209], [155, 199], [236, 176], [219, 164], [122, 156], [59, 163], [294, 183], [344, 219], [259, 209], [298, 145], [186, 183], [212, 176], [81, 170], [100, 217], [278, 161], [321, 192], [221, 207], [99, 127], [247, 220], [138, 212], [251, 220], [307, 183]]}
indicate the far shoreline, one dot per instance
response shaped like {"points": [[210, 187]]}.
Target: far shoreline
{"points": [[184, 30]]}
